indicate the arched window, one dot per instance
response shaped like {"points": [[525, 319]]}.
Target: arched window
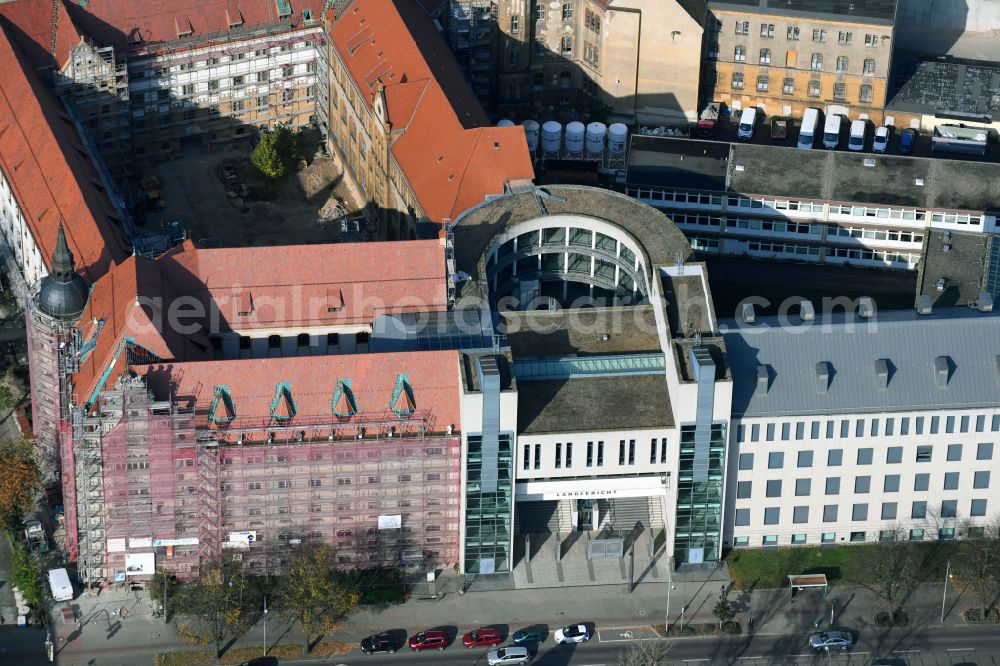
{"points": [[274, 342], [566, 45], [866, 93], [841, 63]]}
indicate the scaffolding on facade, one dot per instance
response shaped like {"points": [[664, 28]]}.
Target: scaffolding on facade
{"points": [[151, 477]]}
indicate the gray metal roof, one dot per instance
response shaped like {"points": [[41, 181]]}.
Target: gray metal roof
{"points": [[848, 11], [849, 350], [951, 88]]}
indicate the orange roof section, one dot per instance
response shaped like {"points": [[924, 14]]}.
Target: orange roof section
{"points": [[30, 24], [242, 289], [432, 375], [444, 144], [121, 24], [50, 172]]}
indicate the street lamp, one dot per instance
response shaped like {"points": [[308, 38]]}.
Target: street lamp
{"points": [[670, 586], [49, 647], [944, 596], [265, 625]]}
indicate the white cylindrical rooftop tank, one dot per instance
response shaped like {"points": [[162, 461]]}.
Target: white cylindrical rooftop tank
{"points": [[595, 138], [617, 136], [506, 122], [531, 134], [551, 137], [575, 132]]}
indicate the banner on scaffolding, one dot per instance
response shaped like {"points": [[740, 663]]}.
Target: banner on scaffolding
{"points": [[186, 541], [140, 564], [390, 522]]}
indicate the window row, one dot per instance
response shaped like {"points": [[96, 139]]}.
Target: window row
{"points": [[562, 454], [835, 230], [865, 91], [792, 33], [862, 484], [777, 247], [860, 512], [915, 534], [866, 455], [800, 430]]}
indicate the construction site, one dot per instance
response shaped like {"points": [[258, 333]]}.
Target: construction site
{"points": [[149, 477]]}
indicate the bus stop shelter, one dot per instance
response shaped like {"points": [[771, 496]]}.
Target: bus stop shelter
{"points": [[799, 582]]}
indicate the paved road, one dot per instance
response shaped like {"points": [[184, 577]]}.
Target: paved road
{"points": [[926, 647]]}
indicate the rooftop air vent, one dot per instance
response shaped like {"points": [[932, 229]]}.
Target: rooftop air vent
{"points": [[882, 372], [942, 370], [941, 284], [946, 236], [823, 373], [740, 167], [807, 311], [919, 182], [869, 161], [985, 302], [763, 378], [996, 367], [946, 247], [924, 305], [866, 307], [747, 313]]}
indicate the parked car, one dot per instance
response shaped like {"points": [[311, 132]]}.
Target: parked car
{"points": [[528, 635], [485, 637], [748, 123], [508, 655], [831, 640], [379, 643], [859, 132], [429, 640], [574, 633], [907, 139], [880, 143]]}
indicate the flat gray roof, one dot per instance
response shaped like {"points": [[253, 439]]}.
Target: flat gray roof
{"points": [[863, 11], [909, 343], [949, 88], [781, 171], [963, 266], [593, 404], [581, 332]]}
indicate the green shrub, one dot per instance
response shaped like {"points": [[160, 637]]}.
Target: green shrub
{"points": [[274, 153], [24, 575], [731, 628]]}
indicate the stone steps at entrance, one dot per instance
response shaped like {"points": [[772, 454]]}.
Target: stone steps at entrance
{"points": [[627, 511]]}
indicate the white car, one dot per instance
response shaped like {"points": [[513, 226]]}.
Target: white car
{"points": [[574, 633], [513, 654], [881, 142]]}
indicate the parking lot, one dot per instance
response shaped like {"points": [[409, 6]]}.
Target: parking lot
{"points": [[729, 120]]}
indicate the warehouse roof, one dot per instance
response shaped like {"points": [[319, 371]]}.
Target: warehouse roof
{"points": [[897, 361], [780, 171]]}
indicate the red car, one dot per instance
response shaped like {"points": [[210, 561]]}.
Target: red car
{"points": [[484, 637], [429, 640]]}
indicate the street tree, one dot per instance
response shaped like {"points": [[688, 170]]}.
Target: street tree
{"points": [[19, 479], [314, 593], [220, 598], [888, 570], [644, 653], [976, 567], [723, 611], [274, 153]]}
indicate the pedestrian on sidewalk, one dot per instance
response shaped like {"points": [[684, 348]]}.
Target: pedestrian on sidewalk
{"points": [[750, 623]]}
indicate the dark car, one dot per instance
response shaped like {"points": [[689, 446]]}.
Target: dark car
{"points": [[485, 637], [527, 635], [831, 640], [261, 661], [379, 643], [907, 139], [429, 640]]}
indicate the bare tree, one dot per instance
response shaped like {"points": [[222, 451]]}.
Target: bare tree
{"points": [[977, 565], [888, 570], [645, 653], [219, 598]]}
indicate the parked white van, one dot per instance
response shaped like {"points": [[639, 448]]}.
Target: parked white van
{"points": [[748, 122], [807, 132], [59, 584], [831, 131], [859, 132]]}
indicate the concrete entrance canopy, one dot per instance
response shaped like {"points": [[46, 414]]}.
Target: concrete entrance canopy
{"points": [[642, 486]]}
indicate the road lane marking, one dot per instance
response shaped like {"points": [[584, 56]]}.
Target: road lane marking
{"points": [[906, 651], [960, 649]]}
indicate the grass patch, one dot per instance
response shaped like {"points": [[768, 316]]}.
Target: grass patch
{"points": [[331, 648], [770, 568], [376, 586]]}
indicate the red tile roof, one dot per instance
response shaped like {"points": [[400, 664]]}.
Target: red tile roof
{"points": [[444, 146], [294, 286], [433, 376], [51, 174], [118, 23], [30, 25]]}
